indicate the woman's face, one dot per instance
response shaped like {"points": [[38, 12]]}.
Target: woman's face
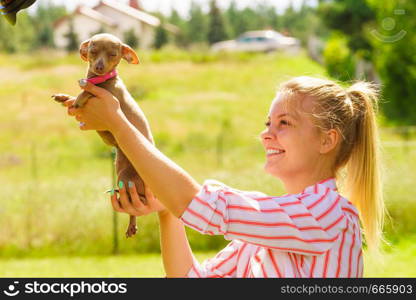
{"points": [[291, 139]]}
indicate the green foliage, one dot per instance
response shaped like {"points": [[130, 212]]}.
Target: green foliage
{"points": [[302, 23], [161, 37], [338, 58], [216, 31], [43, 19], [102, 29], [349, 17], [72, 39], [181, 38], [31, 31], [18, 38], [131, 39], [395, 59], [197, 28]]}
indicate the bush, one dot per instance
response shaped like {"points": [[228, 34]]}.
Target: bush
{"points": [[338, 59]]}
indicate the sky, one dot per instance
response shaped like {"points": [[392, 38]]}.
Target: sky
{"points": [[182, 6]]}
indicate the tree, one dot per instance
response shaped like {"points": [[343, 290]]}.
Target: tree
{"points": [[216, 29], [18, 38], [180, 38], [45, 37], [161, 37], [131, 39], [43, 19], [197, 25], [394, 41], [100, 30], [240, 21], [72, 38], [349, 17]]}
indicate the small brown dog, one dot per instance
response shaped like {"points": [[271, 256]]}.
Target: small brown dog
{"points": [[103, 52]]}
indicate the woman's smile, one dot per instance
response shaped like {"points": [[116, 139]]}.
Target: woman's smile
{"points": [[274, 152]]}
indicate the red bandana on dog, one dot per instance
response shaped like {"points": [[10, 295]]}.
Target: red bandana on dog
{"points": [[102, 78]]}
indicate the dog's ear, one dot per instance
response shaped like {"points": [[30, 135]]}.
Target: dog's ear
{"points": [[129, 54], [83, 50]]}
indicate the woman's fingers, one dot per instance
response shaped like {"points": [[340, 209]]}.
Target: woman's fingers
{"points": [[124, 198], [69, 102], [129, 201], [72, 111], [93, 89], [136, 202], [115, 203]]}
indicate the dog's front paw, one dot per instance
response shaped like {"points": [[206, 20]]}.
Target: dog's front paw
{"points": [[62, 97]]}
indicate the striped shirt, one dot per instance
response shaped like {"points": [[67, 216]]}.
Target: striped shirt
{"points": [[312, 234]]}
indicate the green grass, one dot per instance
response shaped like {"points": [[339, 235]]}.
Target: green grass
{"points": [[53, 175], [399, 262]]}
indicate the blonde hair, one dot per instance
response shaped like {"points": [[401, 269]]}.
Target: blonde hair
{"points": [[352, 112]]}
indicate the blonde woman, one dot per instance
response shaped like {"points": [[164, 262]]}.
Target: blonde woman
{"points": [[315, 129]]}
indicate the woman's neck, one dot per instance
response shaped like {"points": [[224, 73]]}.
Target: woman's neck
{"points": [[297, 185]]}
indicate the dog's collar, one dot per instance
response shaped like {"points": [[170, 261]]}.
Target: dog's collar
{"points": [[102, 78]]}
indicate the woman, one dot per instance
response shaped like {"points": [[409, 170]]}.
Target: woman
{"points": [[314, 130]]}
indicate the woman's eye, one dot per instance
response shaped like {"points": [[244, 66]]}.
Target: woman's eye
{"points": [[113, 54], [284, 122], [267, 123]]}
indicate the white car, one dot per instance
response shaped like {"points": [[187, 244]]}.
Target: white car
{"points": [[258, 41]]}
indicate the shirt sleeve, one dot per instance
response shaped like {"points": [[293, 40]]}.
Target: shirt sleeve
{"points": [[305, 224], [223, 265]]}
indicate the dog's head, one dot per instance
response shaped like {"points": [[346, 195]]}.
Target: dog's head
{"points": [[104, 51]]}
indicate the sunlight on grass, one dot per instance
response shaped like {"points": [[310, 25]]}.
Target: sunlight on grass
{"points": [[399, 262]]}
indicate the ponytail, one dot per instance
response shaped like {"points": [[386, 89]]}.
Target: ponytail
{"points": [[363, 179]]}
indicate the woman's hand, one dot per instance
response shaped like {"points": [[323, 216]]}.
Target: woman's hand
{"points": [[136, 207], [101, 112]]}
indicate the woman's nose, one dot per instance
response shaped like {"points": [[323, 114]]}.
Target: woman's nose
{"points": [[266, 134]]}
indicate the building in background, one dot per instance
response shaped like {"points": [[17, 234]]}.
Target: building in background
{"points": [[110, 16]]}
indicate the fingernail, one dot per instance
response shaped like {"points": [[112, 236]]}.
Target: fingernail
{"points": [[130, 184], [82, 82], [120, 184]]}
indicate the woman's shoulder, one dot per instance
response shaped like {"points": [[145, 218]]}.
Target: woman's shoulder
{"points": [[321, 194]]}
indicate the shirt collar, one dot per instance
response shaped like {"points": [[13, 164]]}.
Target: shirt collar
{"points": [[326, 183]]}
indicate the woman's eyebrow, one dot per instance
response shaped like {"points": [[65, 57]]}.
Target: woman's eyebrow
{"points": [[286, 114]]}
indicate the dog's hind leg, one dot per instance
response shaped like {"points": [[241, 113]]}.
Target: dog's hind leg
{"points": [[126, 173]]}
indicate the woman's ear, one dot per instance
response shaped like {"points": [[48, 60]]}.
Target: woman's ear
{"points": [[129, 54], [83, 49], [329, 140]]}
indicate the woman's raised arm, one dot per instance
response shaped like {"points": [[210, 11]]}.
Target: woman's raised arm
{"points": [[174, 187]]}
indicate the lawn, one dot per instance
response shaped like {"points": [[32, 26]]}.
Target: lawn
{"points": [[399, 262]]}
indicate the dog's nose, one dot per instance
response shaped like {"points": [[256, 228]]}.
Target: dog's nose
{"points": [[99, 67]]}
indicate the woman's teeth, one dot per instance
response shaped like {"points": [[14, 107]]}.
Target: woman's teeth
{"points": [[273, 151]]}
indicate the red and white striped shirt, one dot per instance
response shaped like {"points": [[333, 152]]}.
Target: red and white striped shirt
{"points": [[312, 234]]}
